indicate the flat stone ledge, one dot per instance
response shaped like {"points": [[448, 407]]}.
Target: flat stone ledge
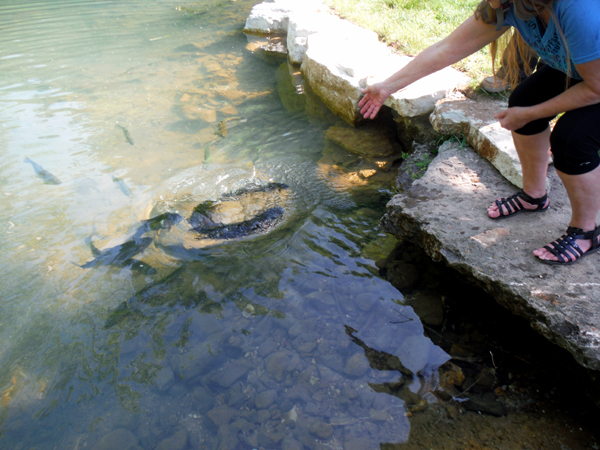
{"points": [[272, 17], [475, 121], [337, 73], [445, 212], [339, 59], [337, 31]]}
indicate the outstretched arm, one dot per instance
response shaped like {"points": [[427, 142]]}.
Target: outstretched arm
{"points": [[470, 36]]}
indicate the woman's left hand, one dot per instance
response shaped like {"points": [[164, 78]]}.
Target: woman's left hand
{"points": [[514, 118]]}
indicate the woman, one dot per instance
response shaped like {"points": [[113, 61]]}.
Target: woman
{"points": [[566, 35]]}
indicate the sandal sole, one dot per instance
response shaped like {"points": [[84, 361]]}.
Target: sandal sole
{"points": [[568, 263], [506, 216]]}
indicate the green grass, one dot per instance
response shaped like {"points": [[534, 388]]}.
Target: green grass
{"points": [[410, 26]]}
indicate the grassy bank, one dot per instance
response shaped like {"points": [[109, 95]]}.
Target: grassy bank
{"points": [[412, 25]]}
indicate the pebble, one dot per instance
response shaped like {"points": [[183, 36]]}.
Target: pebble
{"points": [[265, 399], [119, 438], [357, 365]]}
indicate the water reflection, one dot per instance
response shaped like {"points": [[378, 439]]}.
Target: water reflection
{"points": [[283, 338]]}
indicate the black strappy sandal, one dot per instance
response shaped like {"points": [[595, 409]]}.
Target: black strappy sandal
{"points": [[517, 207], [566, 249]]}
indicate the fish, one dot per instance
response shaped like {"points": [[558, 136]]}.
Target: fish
{"points": [[126, 133], [222, 125], [46, 176], [120, 255], [124, 189], [160, 222], [261, 223], [140, 267], [252, 188]]}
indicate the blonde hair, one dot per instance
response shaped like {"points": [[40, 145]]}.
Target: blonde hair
{"points": [[517, 48]]}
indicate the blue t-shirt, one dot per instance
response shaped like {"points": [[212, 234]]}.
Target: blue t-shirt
{"points": [[579, 20]]}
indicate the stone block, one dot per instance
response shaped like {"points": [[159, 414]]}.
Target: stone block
{"points": [[272, 18], [332, 28], [475, 121], [337, 70]]}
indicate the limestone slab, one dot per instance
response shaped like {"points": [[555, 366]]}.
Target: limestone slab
{"points": [[445, 212], [338, 70], [272, 18], [421, 97], [303, 24], [476, 122]]}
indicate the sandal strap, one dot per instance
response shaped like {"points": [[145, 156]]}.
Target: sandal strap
{"points": [[566, 249], [540, 201], [514, 202], [595, 238], [592, 235]]}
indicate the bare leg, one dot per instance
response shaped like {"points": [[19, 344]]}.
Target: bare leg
{"points": [[585, 203], [534, 154]]}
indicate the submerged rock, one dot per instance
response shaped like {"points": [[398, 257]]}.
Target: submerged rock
{"points": [[176, 442], [486, 404], [120, 438], [370, 141], [429, 307], [357, 365]]}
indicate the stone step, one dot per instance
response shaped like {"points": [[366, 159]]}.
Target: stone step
{"points": [[475, 122]]}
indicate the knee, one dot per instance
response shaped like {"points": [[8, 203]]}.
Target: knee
{"points": [[519, 97]]}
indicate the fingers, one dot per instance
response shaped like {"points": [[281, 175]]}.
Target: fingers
{"points": [[366, 108], [371, 112], [369, 108]]}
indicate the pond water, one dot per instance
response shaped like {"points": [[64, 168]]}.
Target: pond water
{"points": [[280, 334]]}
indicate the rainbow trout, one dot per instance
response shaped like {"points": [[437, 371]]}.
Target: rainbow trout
{"points": [[128, 137], [121, 255], [46, 176]]}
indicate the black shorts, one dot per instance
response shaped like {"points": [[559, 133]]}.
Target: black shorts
{"points": [[575, 139]]}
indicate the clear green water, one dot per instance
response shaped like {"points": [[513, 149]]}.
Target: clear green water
{"points": [[280, 340]]}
